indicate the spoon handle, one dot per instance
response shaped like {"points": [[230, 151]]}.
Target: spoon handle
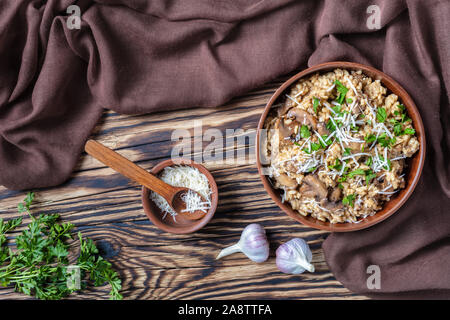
{"points": [[130, 170]]}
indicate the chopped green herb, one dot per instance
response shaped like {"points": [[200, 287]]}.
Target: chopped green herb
{"points": [[370, 138], [330, 126], [312, 169], [347, 152], [389, 164], [410, 131], [336, 109], [398, 129], [348, 200], [381, 115], [337, 165], [369, 175], [39, 265], [369, 161], [342, 91], [349, 100], [385, 141], [327, 143], [315, 104], [340, 186], [356, 172], [315, 146], [304, 131]]}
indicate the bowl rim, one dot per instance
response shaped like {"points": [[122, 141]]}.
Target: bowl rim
{"points": [[403, 195], [198, 224]]}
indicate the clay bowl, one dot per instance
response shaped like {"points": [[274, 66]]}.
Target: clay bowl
{"points": [[414, 164], [182, 225]]}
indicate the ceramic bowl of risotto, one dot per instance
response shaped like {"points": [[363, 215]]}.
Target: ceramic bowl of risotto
{"points": [[340, 146]]}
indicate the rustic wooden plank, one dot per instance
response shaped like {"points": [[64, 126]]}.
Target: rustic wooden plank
{"points": [[156, 265]]}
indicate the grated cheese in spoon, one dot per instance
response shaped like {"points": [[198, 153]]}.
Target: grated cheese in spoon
{"points": [[189, 177]]}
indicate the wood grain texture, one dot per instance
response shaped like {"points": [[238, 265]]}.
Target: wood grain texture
{"points": [[157, 265]]}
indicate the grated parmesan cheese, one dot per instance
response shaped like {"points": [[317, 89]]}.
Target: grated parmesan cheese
{"points": [[189, 177]]}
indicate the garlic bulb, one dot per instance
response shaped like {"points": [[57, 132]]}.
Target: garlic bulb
{"points": [[294, 257], [253, 244]]}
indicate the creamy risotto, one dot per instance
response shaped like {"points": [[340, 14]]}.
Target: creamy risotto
{"points": [[337, 146]]}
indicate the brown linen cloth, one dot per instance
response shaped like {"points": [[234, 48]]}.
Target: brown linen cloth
{"points": [[143, 56]]}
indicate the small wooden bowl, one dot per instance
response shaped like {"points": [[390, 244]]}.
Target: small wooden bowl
{"points": [[413, 171], [182, 225]]}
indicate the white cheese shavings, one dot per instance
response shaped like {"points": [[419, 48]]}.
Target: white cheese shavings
{"points": [[189, 177]]}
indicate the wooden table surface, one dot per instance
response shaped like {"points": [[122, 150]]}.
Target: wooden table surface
{"points": [[157, 265]]}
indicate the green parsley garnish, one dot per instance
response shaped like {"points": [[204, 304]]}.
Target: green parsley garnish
{"points": [[315, 146], [348, 200], [304, 132], [410, 131], [342, 91], [381, 115], [356, 172], [347, 152], [369, 175], [385, 141], [38, 266], [337, 165], [370, 138], [315, 104], [330, 126]]}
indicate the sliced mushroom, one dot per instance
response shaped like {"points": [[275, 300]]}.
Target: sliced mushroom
{"points": [[335, 195], [306, 191], [285, 130], [354, 146], [302, 117], [286, 181], [282, 110], [396, 151], [322, 129], [332, 206], [316, 185]]}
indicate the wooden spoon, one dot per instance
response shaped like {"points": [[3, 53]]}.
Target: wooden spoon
{"points": [[130, 170]]}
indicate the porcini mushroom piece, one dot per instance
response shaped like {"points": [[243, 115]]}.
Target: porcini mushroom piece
{"points": [[322, 129], [285, 130], [286, 181], [316, 185], [306, 191], [335, 195], [354, 146], [282, 110], [332, 206], [303, 117]]}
